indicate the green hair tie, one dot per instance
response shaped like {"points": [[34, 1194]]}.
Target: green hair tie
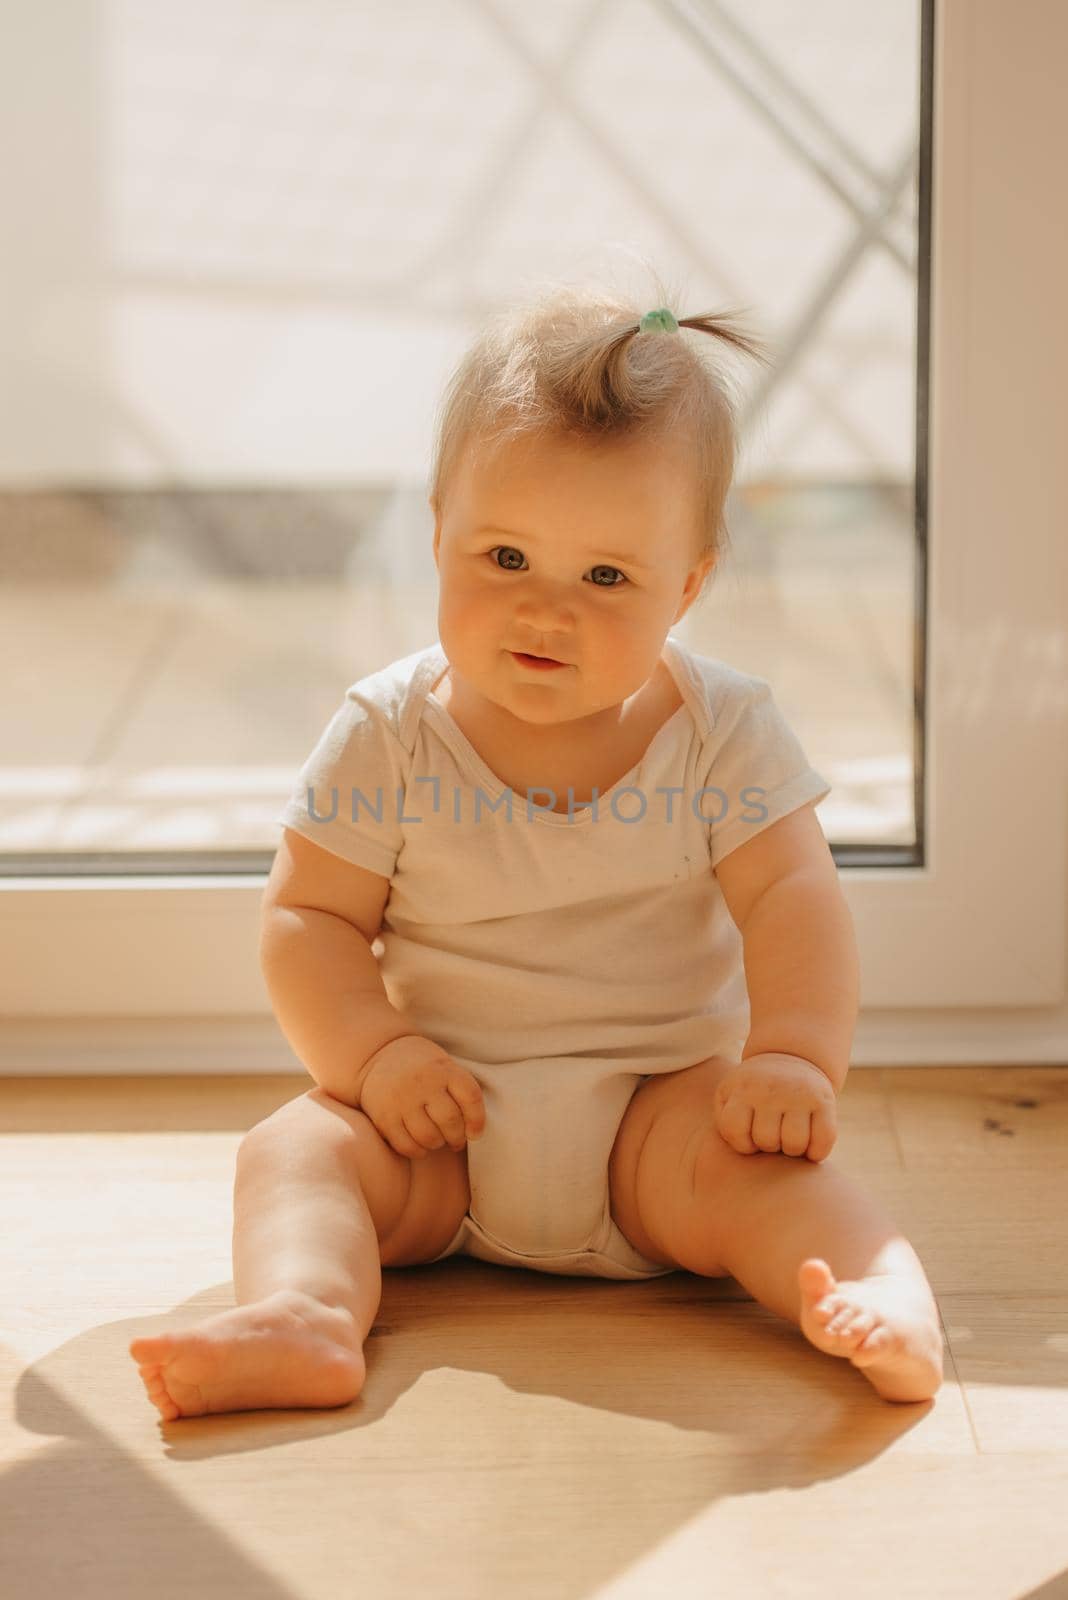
{"points": [[660, 321]]}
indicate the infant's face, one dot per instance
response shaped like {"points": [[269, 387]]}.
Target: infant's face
{"points": [[586, 555]]}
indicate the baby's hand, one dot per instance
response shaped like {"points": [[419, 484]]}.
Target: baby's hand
{"points": [[419, 1098], [775, 1102]]}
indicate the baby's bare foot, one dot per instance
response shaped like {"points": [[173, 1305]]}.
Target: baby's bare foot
{"points": [[286, 1350], [882, 1324]]}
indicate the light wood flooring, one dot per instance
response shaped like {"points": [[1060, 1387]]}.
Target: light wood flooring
{"points": [[527, 1436]]}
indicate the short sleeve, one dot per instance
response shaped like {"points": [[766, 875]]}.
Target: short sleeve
{"points": [[753, 767], [350, 792]]}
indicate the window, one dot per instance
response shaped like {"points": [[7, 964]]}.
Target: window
{"points": [[212, 489]]}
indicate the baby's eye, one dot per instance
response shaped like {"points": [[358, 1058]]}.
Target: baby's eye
{"points": [[510, 550]]}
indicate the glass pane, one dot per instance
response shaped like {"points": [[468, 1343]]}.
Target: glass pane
{"points": [[249, 244]]}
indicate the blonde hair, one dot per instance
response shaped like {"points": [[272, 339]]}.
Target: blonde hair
{"points": [[570, 364]]}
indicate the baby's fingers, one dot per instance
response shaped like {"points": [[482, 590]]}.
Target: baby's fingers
{"points": [[465, 1090], [768, 1132], [734, 1121], [422, 1130], [447, 1116], [824, 1133], [795, 1137]]}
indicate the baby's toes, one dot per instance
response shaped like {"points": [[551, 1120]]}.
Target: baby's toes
{"points": [[852, 1322], [150, 1347], [850, 1327], [881, 1344], [156, 1389], [848, 1317], [827, 1309]]}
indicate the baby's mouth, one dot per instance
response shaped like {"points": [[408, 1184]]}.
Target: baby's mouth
{"points": [[528, 655]]}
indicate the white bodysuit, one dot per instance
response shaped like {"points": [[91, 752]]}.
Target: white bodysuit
{"points": [[560, 957]]}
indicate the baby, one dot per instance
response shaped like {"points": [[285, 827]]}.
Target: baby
{"points": [[553, 924]]}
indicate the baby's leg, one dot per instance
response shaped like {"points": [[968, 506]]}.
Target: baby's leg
{"points": [[800, 1236], [804, 1239], [315, 1191]]}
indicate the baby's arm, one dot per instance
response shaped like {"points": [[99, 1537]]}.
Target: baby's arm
{"points": [[319, 918], [802, 972]]}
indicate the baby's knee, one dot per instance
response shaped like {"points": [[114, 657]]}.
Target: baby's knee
{"points": [[308, 1126], [716, 1168]]}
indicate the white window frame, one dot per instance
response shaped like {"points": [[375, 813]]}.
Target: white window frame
{"points": [[962, 958]]}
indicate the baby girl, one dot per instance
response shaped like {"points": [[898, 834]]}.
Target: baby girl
{"points": [[553, 924]]}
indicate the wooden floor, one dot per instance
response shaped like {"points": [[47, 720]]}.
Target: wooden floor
{"points": [[521, 1435]]}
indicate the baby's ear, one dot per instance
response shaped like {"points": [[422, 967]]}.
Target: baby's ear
{"points": [[692, 587]]}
